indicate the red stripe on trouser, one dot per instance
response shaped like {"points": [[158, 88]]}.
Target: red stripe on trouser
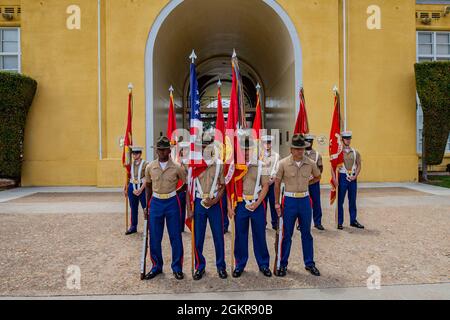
{"points": [[265, 211], [148, 222], [181, 217], [223, 236]]}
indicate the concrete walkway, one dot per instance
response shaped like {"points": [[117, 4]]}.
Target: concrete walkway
{"points": [[439, 291], [17, 193]]}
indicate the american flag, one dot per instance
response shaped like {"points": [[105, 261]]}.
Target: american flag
{"points": [[196, 163]]}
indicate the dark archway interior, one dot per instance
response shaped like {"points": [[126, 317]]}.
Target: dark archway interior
{"points": [[263, 46]]}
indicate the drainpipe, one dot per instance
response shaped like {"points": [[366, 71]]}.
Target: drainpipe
{"points": [[344, 21], [99, 66]]}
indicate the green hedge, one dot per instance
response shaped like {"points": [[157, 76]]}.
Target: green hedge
{"points": [[16, 95], [433, 88]]}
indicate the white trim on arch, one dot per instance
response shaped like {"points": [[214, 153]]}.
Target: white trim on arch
{"points": [[149, 98]]}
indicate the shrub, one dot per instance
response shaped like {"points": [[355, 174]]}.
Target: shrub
{"points": [[433, 88], [16, 95]]}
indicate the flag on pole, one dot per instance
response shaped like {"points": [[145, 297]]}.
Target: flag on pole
{"points": [[220, 123], [336, 155], [196, 162], [128, 140], [172, 120], [235, 167], [257, 123], [301, 126]]}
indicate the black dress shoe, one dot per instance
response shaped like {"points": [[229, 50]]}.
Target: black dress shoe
{"points": [[313, 270], [198, 274], [178, 275], [130, 231], [225, 231], [266, 272], [298, 227], [320, 227], [237, 273], [281, 272], [222, 274], [356, 224], [151, 275], [340, 227]]}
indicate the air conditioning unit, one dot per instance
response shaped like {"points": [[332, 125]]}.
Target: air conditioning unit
{"points": [[8, 16]]}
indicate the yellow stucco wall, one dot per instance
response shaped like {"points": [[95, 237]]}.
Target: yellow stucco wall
{"points": [[61, 146]]}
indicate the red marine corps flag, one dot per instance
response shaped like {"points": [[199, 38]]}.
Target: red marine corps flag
{"points": [[172, 120], [301, 126], [127, 142], [257, 123], [128, 139], [235, 167], [336, 155], [220, 123]]}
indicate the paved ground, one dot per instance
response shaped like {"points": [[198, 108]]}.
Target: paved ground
{"points": [[439, 291], [45, 230]]}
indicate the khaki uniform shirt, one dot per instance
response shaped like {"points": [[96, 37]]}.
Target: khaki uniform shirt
{"points": [[312, 154], [295, 178], [270, 163], [206, 178], [164, 181], [349, 159], [249, 180], [136, 170]]}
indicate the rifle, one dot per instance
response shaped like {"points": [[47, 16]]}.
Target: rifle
{"points": [[144, 245], [279, 237]]}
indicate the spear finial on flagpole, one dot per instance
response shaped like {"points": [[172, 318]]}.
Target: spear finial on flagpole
{"points": [[193, 56], [219, 83], [130, 86], [171, 90], [234, 53], [335, 89], [258, 87]]}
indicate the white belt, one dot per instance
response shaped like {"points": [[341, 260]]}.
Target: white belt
{"points": [[136, 181], [250, 199], [164, 196], [205, 195], [296, 194]]}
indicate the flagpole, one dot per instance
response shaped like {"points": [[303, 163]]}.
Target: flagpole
{"points": [[335, 90], [130, 92], [193, 57]]}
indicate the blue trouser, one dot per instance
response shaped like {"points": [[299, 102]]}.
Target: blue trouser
{"points": [[351, 187], [170, 211], [293, 209], [201, 216], [134, 205], [314, 193], [182, 196], [258, 221], [224, 208], [270, 199]]}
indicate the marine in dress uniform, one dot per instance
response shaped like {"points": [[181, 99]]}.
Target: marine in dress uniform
{"points": [[183, 160], [209, 187], [272, 160], [251, 209], [295, 172], [135, 188], [162, 176], [348, 181], [314, 184]]}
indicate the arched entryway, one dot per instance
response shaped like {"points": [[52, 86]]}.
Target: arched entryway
{"points": [[267, 45]]}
